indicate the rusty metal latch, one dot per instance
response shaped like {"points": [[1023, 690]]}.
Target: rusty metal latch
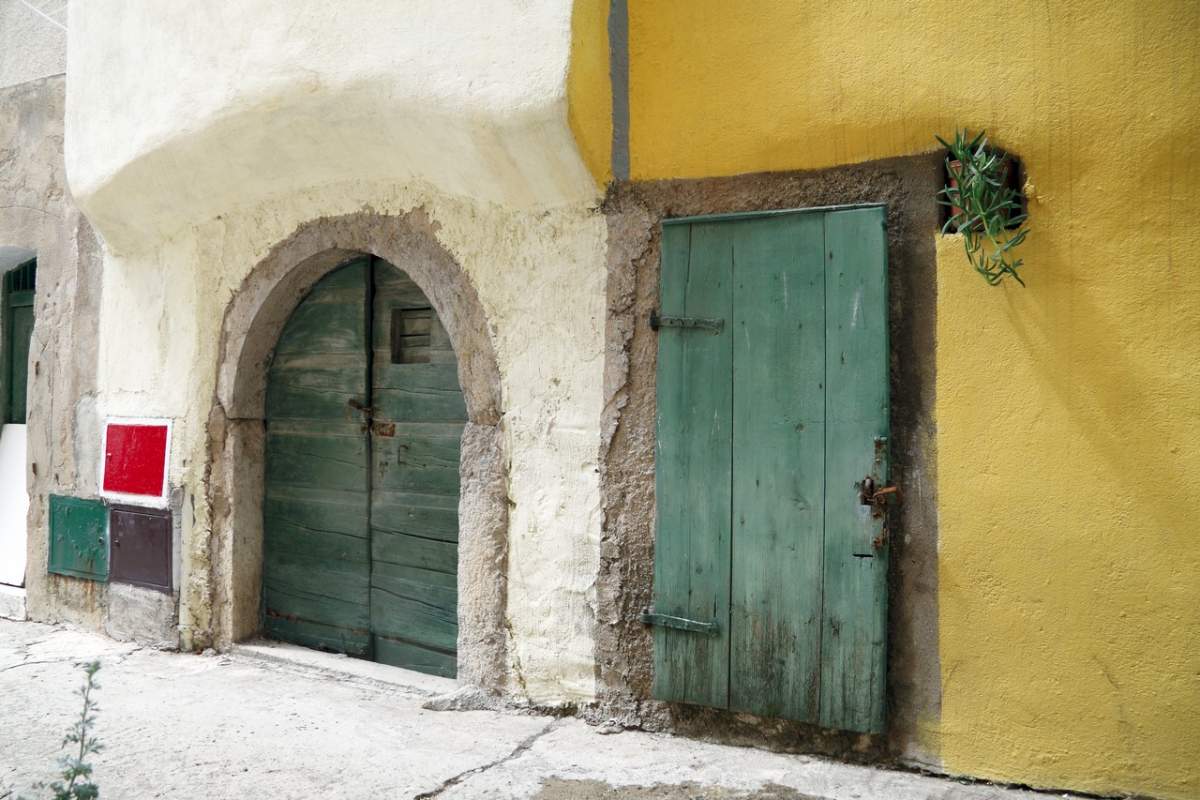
{"points": [[357, 405], [713, 326], [877, 498]]}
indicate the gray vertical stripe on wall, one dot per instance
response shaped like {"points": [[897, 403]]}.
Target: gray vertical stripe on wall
{"points": [[618, 73]]}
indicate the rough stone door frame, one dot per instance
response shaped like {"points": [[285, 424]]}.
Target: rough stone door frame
{"points": [[251, 327], [634, 212]]}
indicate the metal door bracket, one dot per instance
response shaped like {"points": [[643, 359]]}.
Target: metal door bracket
{"points": [[679, 623], [712, 325]]}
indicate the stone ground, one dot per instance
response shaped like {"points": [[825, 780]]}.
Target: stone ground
{"points": [[273, 721]]}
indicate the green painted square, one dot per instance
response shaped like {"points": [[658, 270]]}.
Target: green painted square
{"points": [[78, 538]]}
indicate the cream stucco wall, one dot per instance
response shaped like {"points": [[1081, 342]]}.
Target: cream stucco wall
{"points": [[176, 116], [257, 117]]}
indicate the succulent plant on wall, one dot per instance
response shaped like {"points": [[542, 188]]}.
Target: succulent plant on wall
{"points": [[984, 206]]}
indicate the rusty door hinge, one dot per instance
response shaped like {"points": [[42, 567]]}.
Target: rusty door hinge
{"points": [[711, 325], [650, 617], [880, 541]]}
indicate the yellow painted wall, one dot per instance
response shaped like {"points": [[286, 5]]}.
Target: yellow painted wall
{"points": [[1068, 412], [589, 90]]}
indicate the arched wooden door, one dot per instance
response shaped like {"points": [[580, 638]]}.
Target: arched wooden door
{"points": [[360, 515]]}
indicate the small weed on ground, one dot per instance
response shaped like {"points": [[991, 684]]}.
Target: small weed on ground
{"points": [[74, 770]]}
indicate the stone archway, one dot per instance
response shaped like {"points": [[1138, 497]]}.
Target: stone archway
{"points": [[252, 324]]}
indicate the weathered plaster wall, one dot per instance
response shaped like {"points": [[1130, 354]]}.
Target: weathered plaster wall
{"points": [[623, 643], [1068, 431], [31, 46], [541, 287], [466, 96], [246, 133], [37, 214]]}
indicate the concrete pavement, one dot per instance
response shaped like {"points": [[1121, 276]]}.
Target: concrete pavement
{"points": [[279, 721]]}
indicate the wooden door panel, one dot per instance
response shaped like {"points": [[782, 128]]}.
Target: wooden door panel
{"points": [[694, 449], [317, 387], [766, 431], [17, 290], [431, 516], [419, 413], [316, 555], [418, 391], [324, 590], [417, 457], [396, 547], [328, 511], [778, 457], [399, 653], [315, 454], [416, 605], [332, 317], [20, 332], [853, 668]]}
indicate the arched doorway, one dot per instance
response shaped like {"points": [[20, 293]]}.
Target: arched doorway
{"points": [[16, 328], [364, 421]]}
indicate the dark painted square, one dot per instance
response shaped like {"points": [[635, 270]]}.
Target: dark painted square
{"points": [[141, 547], [78, 538]]}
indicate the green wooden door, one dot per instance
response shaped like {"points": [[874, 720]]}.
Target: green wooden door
{"points": [[316, 549], [419, 413], [695, 446], [17, 313], [365, 416], [770, 574]]}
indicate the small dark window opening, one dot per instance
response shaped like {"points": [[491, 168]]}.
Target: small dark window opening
{"points": [[16, 316], [410, 335], [22, 278]]}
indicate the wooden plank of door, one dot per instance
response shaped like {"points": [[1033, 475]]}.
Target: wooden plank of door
{"points": [[779, 465], [20, 332], [853, 656], [693, 465], [419, 413], [315, 555]]}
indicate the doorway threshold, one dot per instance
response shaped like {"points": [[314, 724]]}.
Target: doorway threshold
{"points": [[339, 665]]}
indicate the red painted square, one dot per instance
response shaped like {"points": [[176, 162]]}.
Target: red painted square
{"points": [[135, 458]]}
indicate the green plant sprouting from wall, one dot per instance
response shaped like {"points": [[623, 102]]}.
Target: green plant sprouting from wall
{"points": [[985, 209], [74, 769]]}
